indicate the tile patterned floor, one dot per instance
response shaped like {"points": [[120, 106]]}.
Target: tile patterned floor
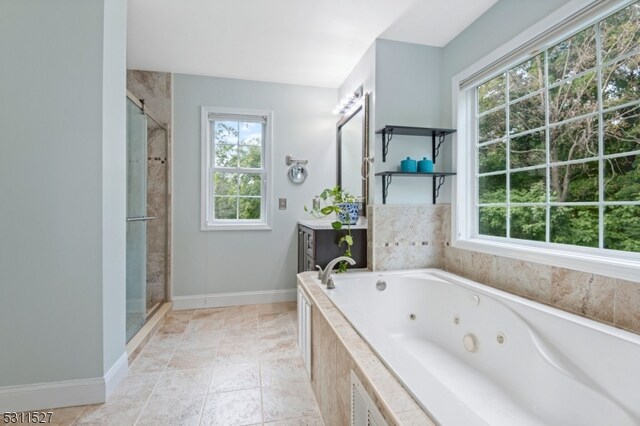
{"points": [[221, 366]]}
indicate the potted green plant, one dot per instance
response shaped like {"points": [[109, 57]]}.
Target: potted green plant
{"points": [[346, 208]]}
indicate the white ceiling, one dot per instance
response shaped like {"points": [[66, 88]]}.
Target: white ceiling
{"points": [[308, 42]]}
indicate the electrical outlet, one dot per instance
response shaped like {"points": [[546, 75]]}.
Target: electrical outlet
{"points": [[282, 203]]}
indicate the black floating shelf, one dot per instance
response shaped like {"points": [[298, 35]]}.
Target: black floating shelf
{"points": [[389, 131], [437, 180]]}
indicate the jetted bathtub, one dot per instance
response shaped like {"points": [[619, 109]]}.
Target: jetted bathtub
{"points": [[474, 355]]}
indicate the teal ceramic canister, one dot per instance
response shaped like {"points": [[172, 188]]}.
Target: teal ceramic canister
{"points": [[425, 165], [408, 165]]}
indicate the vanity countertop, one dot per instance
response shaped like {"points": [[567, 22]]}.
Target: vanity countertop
{"points": [[320, 224]]}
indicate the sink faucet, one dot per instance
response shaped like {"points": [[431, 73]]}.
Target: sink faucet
{"points": [[325, 275]]}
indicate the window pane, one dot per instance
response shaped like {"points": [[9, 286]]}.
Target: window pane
{"points": [[574, 225], [492, 126], [492, 158], [622, 179], [619, 33], [249, 208], [251, 133], [622, 228], [250, 156], [572, 56], [250, 184], [225, 183], [527, 114], [622, 130], [575, 182], [491, 94], [621, 82], [528, 150], [226, 155], [526, 77], [574, 98], [493, 221], [528, 186], [574, 140], [528, 223], [226, 207], [492, 189], [226, 132]]}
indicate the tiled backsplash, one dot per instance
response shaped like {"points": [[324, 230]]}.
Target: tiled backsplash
{"points": [[408, 237]]}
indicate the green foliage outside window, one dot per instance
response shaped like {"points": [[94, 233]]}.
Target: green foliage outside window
{"points": [[587, 146]]}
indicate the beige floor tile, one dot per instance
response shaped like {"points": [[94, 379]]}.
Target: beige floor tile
{"points": [[278, 345], [200, 340], [235, 377], [306, 421], [59, 416], [278, 319], [283, 371], [173, 412], [209, 313], [240, 336], [292, 401], [205, 324], [150, 361], [135, 388], [241, 320], [191, 359], [118, 414], [182, 383], [271, 308], [238, 353], [163, 342], [242, 407]]}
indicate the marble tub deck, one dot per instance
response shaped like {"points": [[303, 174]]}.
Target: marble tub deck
{"points": [[222, 366]]}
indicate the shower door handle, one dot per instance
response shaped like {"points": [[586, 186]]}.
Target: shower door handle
{"points": [[140, 219]]}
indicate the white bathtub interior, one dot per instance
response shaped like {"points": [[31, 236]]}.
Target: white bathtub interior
{"points": [[534, 365]]}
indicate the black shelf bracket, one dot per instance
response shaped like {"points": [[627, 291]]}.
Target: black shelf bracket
{"points": [[386, 181], [387, 135], [435, 147], [437, 186]]}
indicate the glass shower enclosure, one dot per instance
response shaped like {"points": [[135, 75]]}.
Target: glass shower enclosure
{"points": [[146, 217]]}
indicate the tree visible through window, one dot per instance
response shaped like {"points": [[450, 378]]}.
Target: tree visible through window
{"points": [[236, 150], [558, 141]]}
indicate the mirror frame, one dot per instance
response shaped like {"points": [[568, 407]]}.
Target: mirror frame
{"points": [[362, 104]]}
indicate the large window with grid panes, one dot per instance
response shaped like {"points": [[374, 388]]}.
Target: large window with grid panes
{"points": [[557, 142], [235, 168]]}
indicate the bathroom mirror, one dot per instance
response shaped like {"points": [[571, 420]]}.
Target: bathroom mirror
{"points": [[352, 134]]}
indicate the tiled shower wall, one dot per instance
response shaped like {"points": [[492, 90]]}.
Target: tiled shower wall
{"points": [[407, 237], [155, 89]]}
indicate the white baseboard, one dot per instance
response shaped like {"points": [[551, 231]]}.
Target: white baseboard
{"points": [[232, 299], [67, 393]]}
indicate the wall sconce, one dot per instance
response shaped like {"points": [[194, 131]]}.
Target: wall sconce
{"points": [[297, 172], [348, 102]]}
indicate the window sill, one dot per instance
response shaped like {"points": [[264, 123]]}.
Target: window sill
{"points": [[615, 267], [236, 227]]}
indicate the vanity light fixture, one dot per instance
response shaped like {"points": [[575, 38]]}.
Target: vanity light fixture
{"points": [[348, 101]]}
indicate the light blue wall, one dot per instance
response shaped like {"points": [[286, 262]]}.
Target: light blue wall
{"points": [[503, 21], [61, 209], [407, 89], [237, 261]]}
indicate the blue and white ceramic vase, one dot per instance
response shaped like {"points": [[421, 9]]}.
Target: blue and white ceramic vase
{"points": [[349, 213]]}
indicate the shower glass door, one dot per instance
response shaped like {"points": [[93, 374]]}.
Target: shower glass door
{"points": [[136, 218]]}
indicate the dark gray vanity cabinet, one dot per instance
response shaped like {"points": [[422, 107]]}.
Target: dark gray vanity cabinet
{"points": [[319, 246]]}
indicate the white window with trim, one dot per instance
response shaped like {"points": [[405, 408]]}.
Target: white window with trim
{"points": [[236, 169], [550, 146]]}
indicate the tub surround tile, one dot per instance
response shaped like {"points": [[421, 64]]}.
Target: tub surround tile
{"points": [[528, 279], [627, 305], [323, 376], [583, 293]]}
